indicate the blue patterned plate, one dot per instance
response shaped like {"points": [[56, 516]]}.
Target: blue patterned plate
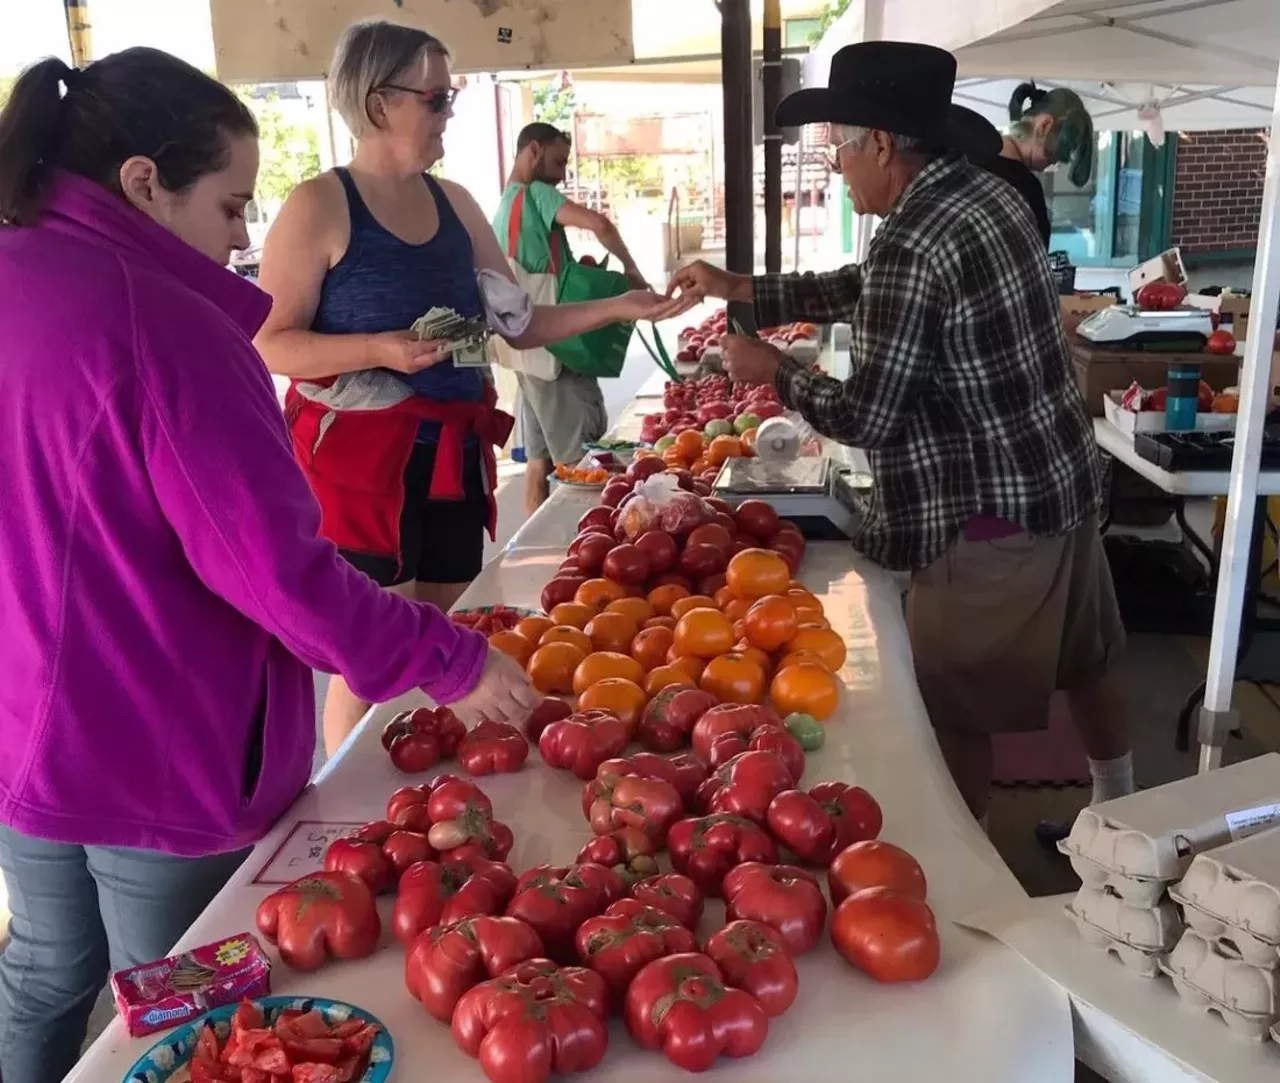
{"points": [[163, 1060]]}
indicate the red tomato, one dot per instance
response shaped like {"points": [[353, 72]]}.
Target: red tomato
{"points": [[649, 805], [493, 748], [619, 943], [745, 785], [875, 864], [1221, 342], [757, 518], [800, 823], [753, 957], [890, 936], [729, 718], [677, 895], [660, 549], [555, 900], [321, 915], [583, 741], [444, 892], [854, 812], [447, 960], [705, 849], [628, 851], [682, 1006], [784, 897], [549, 710], [669, 718], [782, 744], [534, 1020]]}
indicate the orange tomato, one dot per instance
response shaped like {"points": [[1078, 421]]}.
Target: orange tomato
{"points": [[532, 628], [754, 573], [551, 667], [660, 622], [688, 445], [603, 665], [664, 597], [754, 654], [805, 603], [692, 601], [611, 632], [748, 439], [512, 643], [573, 614], [566, 633], [624, 698], [637, 609], [723, 598], [703, 633], [595, 594], [724, 447], [666, 677], [805, 687], [673, 458], [732, 678], [650, 647], [770, 622], [823, 642], [737, 609], [689, 663], [790, 658]]}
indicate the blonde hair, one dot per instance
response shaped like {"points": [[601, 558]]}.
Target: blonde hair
{"points": [[1070, 138], [370, 55]]}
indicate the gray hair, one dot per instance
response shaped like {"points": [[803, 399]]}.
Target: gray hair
{"points": [[370, 55], [907, 144]]}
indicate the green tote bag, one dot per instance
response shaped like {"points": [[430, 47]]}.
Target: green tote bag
{"points": [[599, 353]]}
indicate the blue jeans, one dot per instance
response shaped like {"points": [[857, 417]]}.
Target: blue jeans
{"points": [[79, 912]]}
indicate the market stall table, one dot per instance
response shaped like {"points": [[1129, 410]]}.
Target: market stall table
{"points": [[985, 1016]]}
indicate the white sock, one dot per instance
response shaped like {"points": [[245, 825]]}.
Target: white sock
{"points": [[1111, 778]]}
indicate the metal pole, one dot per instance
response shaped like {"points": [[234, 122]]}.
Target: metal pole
{"points": [[771, 76], [79, 32], [739, 203], [1216, 716]]}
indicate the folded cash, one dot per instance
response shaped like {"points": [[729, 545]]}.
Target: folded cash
{"points": [[445, 325]]}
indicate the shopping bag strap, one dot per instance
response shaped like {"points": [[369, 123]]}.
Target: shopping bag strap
{"points": [[515, 222]]}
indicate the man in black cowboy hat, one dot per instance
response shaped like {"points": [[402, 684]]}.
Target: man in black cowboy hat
{"points": [[986, 471]]}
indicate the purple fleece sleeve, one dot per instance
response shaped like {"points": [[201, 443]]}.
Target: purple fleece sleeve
{"points": [[223, 470]]}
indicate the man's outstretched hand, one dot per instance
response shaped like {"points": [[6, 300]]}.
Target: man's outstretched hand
{"points": [[701, 280]]}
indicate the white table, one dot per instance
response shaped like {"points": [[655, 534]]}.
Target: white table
{"points": [[1183, 483], [985, 1017]]}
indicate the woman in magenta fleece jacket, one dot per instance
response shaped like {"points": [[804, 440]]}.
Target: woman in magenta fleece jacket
{"points": [[164, 592]]}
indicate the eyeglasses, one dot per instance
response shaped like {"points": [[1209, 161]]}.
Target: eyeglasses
{"points": [[437, 99], [833, 155]]}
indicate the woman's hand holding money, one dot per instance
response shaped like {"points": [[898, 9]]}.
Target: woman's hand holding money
{"points": [[403, 351]]}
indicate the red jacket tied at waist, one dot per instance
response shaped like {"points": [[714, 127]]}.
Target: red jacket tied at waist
{"points": [[353, 436]]}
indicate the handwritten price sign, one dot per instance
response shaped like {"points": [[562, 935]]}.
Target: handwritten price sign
{"points": [[302, 851]]}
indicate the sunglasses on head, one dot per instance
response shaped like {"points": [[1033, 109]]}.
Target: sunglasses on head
{"points": [[437, 99]]}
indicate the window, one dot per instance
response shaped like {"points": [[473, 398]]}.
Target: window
{"points": [[798, 33]]}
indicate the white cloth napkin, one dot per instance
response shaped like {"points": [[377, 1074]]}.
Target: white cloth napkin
{"points": [[508, 309]]}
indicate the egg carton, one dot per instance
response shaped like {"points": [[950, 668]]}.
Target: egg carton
{"points": [[1230, 896], [1151, 837], [1246, 997], [1149, 929], [1136, 960]]}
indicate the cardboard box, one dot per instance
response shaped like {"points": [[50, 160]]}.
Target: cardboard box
{"points": [[1099, 370], [1154, 420], [1237, 309], [1166, 267], [1082, 304]]}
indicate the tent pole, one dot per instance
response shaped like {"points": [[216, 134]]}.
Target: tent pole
{"points": [[1216, 717]]}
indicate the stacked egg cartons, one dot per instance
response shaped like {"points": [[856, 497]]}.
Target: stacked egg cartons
{"points": [[1128, 852], [1227, 960]]}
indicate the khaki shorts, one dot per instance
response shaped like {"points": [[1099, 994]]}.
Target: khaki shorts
{"points": [[997, 626], [558, 416]]}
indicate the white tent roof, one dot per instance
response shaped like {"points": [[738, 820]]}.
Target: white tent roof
{"points": [[1210, 63]]}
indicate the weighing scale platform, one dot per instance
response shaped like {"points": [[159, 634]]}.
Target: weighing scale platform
{"points": [[826, 501]]}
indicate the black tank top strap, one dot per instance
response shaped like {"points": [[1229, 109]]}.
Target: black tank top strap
{"points": [[356, 206], [444, 205]]}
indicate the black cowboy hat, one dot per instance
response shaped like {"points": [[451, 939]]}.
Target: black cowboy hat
{"points": [[894, 86]]}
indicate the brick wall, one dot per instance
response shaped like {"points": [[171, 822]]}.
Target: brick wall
{"points": [[1217, 190]]}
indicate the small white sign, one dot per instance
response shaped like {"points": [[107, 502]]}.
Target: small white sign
{"points": [[302, 851], [1249, 821]]}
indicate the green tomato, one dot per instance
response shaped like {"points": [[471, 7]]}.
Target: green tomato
{"points": [[807, 730], [664, 443], [745, 422], [718, 427]]}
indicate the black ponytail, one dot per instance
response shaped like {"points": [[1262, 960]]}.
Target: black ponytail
{"points": [[139, 102], [28, 127], [1027, 93]]}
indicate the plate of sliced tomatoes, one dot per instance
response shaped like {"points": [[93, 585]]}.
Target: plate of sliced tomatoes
{"points": [[487, 619], [272, 1040]]}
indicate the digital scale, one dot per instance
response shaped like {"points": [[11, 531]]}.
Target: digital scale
{"points": [[1128, 327], [826, 500]]}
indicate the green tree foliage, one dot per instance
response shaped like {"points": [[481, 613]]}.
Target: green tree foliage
{"points": [[554, 103], [290, 152], [834, 9], [6, 88]]}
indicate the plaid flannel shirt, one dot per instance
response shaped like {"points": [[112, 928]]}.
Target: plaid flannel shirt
{"points": [[962, 391]]}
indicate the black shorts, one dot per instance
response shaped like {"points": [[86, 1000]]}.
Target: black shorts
{"points": [[441, 541]]}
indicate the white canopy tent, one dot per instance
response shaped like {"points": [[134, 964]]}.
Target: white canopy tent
{"points": [[1222, 47]]}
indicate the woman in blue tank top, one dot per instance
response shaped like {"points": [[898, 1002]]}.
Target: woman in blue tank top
{"points": [[354, 258]]}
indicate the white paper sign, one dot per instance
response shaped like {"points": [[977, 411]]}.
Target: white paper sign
{"points": [[1249, 821], [302, 851]]}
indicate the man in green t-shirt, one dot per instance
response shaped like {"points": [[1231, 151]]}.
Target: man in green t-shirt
{"points": [[557, 416]]}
